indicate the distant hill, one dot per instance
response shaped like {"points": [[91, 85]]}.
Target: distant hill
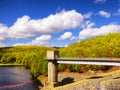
{"points": [[100, 46]]}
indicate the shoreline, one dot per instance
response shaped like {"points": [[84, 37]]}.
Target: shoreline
{"points": [[11, 65]]}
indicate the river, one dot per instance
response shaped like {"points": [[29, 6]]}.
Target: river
{"points": [[16, 78]]}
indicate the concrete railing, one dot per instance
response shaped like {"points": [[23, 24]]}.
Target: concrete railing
{"points": [[53, 60]]}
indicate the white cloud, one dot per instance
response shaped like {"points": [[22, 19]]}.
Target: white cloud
{"points": [[26, 27], [2, 44], [42, 40], [92, 32], [100, 1], [118, 12], [87, 24], [3, 32], [104, 14], [66, 35], [19, 44], [88, 15], [21, 28]]}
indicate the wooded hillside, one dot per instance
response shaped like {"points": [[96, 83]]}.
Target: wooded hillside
{"points": [[101, 46], [33, 56], [107, 46]]}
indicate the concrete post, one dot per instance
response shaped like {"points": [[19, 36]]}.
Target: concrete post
{"points": [[52, 67]]}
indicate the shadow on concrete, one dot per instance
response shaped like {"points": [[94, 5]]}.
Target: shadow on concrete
{"points": [[67, 81], [95, 77]]}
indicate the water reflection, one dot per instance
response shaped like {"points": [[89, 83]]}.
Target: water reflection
{"points": [[16, 78]]}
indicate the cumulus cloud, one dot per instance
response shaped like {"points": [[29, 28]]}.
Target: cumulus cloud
{"points": [[104, 14], [44, 39], [66, 35], [92, 32], [26, 27], [100, 1], [21, 28], [3, 32], [2, 44]]}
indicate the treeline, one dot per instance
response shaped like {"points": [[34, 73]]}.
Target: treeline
{"points": [[33, 56], [30, 56]]}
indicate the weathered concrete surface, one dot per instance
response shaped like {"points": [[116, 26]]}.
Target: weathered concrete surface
{"points": [[52, 72], [111, 84], [107, 81], [52, 67]]}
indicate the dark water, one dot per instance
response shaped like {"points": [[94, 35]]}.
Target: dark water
{"points": [[16, 78]]}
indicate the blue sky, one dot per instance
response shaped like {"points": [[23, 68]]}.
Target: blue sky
{"points": [[56, 22]]}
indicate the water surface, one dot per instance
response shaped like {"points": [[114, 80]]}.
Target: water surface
{"points": [[16, 78]]}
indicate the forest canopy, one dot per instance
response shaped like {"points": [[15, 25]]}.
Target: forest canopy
{"points": [[101, 46]]}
